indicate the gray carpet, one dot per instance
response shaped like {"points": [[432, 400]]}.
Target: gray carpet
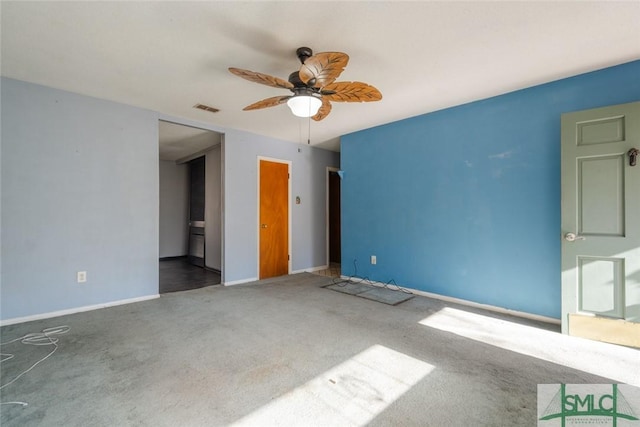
{"points": [[288, 352]]}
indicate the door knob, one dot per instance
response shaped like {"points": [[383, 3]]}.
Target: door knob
{"points": [[263, 225], [633, 155], [572, 237]]}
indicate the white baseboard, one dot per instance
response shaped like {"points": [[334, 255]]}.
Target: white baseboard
{"points": [[311, 270], [240, 282], [75, 310], [460, 301]]}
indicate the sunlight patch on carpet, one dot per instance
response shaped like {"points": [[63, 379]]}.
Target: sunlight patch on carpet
{"points": [[352, 393], [607, 360]]}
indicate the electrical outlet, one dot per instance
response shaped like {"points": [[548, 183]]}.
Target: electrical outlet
{"points": [[374, 260], [81, 276]]}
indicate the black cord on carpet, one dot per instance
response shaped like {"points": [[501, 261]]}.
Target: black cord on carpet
{"points": [[354, 280]]}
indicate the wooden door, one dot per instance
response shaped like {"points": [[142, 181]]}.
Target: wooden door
{"points": [[601, 224], [274, 219]]}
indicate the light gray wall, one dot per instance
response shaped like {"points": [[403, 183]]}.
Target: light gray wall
{"points": [[308, 175], [1, 245], [213, 209], [79, 192], [174, 209]]}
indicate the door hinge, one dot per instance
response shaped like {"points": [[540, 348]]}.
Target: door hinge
{"points": [[288, 257], [288, 176]]}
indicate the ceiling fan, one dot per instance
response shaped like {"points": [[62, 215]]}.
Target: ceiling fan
{"points": [[313, 86]]}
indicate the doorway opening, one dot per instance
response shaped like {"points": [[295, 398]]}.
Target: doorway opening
{"points": [[190, 226], [334, 253]]}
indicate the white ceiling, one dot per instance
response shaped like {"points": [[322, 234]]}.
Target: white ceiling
{"points": [[179, 143], [422, 56]]}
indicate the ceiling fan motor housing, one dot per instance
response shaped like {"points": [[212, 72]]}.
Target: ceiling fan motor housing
{"points": [[306, 91], [300, 86], [294, 79]]}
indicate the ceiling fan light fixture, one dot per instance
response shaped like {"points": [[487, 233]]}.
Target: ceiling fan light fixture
{"points": [[304, 105], [313, 86]]}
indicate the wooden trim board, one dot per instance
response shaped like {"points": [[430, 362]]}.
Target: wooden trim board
{"points": [[615, 331]]}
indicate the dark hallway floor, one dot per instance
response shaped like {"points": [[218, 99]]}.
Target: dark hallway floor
{"points": [[178, 275]]}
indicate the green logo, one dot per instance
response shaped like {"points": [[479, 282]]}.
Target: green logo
{"points": [[589, 403]]}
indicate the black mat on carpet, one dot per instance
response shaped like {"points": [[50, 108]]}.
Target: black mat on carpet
{"points": [[373, 293]]}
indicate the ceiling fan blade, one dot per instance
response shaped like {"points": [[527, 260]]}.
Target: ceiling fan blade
{"points": [[269, 102], [351, 92], [264, 79], [323, 68], [324, 110]]}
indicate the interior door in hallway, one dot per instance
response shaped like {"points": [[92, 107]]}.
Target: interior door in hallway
{"points": [[196, 211], [274, 219], [601, 224]]}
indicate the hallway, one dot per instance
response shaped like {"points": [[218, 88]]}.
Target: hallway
{"points": [[177, 274]]}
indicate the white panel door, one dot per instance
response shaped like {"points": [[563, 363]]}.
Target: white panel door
{"points": [[600, 221]]}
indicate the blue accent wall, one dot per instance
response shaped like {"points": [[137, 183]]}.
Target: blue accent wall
{"points": [[465, 202]]}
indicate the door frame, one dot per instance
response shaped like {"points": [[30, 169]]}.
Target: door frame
{"points": [[329, 170], [201, 126], [289, 208]]}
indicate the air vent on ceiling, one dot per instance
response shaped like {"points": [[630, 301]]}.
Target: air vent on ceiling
{"points": [[206, 108]]}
